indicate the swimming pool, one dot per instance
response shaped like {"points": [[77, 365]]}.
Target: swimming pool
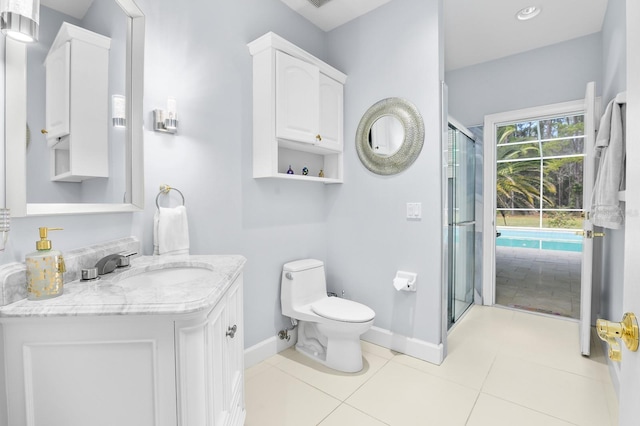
{"points": [[539, 239]]}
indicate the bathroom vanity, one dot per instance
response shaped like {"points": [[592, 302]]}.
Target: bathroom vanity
{"points": [[157, 343]]}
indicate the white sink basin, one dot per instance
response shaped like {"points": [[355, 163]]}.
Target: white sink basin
{"points": [[165, 276]]}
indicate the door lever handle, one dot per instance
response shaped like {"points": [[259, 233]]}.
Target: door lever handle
{"points": [[626, 330]]}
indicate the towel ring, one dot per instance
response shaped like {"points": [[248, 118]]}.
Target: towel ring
{"points": [[164, 189]]}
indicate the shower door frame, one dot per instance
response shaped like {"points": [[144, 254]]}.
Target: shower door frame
{"points": [[450, 302]]}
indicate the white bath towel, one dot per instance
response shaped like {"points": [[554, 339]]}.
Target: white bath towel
{"points": [[610, 143], [170, 231]]}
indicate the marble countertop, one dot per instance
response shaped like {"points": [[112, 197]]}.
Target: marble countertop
{"points": [[114, 294]]}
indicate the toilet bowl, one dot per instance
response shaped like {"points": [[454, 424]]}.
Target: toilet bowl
{"points": [[329, 328]]}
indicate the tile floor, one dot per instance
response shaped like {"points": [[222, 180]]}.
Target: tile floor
{"points": [[505, 367], [542, 280]]}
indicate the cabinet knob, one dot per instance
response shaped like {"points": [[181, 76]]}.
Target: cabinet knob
{"points": [[44, 131], [231, 331], [319, 138]]}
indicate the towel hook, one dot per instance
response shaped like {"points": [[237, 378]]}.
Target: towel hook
{"points": [[164, 189]]}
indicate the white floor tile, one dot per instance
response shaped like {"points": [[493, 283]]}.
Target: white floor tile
{"points": [[401, 395], [567, 396], [378, 350], [492, 411], [256, 369], [538, 334], [274, 398], [504, 367], [345, 415], [467, 363], [335, 383]]}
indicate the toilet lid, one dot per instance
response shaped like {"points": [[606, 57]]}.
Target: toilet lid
{"points": [[345, 310]]}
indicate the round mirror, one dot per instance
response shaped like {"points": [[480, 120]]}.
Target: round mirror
{"points": [[390, 136], [386, 136]]}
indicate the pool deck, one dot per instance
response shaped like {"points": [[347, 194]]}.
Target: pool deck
{"points": [[546, 281]]}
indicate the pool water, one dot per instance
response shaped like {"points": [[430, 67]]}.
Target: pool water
{"points": [[540, 239]]}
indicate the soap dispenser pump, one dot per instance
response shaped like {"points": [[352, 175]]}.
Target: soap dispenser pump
{"points": [[45, 268]]}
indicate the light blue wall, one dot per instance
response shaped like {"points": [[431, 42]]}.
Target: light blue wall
{"points": [[389, 52], [196, 51], [547, 75], [614, 81]]}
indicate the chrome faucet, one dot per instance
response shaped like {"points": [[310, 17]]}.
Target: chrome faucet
{"points": [[109, 263]]}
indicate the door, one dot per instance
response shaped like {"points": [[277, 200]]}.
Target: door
{"points": [[630, 367], [331, 113], [587, 226], [297, 99], [462, 225]]}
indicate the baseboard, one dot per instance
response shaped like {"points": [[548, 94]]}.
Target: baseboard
{"points": [[268, 348], [407, 345], [378, 336]]}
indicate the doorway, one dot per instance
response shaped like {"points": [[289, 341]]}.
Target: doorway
{"points": [[537, 157]]}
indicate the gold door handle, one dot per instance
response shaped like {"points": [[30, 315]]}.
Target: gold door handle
{"points": [[590, 234], [319, 138], [626, 330]]}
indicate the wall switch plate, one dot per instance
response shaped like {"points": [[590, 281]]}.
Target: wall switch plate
{"points": [[414, 210]]}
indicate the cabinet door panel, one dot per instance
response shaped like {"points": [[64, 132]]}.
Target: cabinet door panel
{"points": [[331, 113], [235, 343], [297, 99], [57, 92], [217, 372]]}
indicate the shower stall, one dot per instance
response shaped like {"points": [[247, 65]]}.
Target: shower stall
{"points": [[461, 172]]}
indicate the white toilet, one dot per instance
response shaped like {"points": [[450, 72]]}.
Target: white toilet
{"points": [[329, 328]]}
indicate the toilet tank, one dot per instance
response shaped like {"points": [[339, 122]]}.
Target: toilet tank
{"points": [[303, 282]]}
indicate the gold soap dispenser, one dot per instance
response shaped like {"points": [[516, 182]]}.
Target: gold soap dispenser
{"points": [[45, 268]]}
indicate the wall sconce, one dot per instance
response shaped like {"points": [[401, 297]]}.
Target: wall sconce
{"points": [[166, 121], [118, 111], [19, 19], [5, 226]]}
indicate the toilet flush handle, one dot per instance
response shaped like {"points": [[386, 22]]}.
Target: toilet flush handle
{"points": [[288, 276]]}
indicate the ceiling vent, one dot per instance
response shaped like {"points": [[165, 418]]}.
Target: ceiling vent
{"points": [[319, 3]]}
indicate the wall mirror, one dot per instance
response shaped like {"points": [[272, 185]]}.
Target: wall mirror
{"points": [[390, 136], [30, 188]]}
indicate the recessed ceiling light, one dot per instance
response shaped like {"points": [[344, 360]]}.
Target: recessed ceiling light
{"points": [[529, 12]]}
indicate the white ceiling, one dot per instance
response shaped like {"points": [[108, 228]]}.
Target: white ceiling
{"points": [[477, 31], [335, 12], [74, 8]]}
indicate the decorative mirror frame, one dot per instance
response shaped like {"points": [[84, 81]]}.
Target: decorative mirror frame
{"points": [[411, 146], [15, 176]]}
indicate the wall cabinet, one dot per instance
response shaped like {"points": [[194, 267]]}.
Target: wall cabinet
{"points": [[76, 105], [297, 113], [139, 370]]}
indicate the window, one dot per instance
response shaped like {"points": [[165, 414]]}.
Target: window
{"points": [[539, 167]]}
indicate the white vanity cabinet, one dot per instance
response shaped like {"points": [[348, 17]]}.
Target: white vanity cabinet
{"points": [[183, 369], [76, 105], [297, 113], [210, 360]]}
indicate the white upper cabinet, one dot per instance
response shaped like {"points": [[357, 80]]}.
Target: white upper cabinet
{"points": [[57, 91], [77, 104], [297, 113]]}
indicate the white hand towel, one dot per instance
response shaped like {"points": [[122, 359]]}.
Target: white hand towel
{"points": [[170, 231], [605, 207]]}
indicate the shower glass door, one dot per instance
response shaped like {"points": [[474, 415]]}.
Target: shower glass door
{"points": [[462, 222]]}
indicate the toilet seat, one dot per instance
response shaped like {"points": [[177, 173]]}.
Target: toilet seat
{"points": [[344, 310]]}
